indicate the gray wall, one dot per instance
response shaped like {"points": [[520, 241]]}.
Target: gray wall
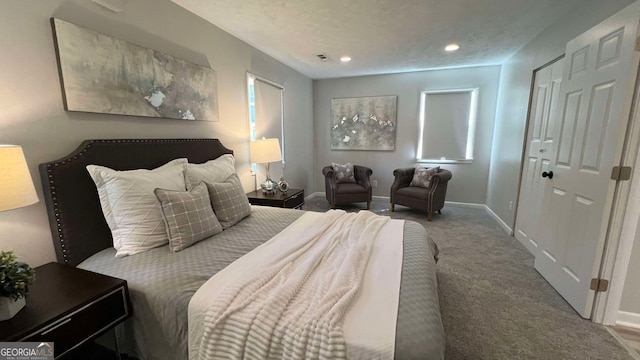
{"points": [[511, 116], [469, 183], [33, 116]]}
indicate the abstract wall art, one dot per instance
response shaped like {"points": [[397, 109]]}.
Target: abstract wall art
{"points": [[102, 74], [363, 123]]}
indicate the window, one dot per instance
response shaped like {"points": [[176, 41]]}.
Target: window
{"points": [[447, 125], [266, 114]]}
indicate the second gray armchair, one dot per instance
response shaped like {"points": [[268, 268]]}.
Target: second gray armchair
{"points": [[430, 198]]}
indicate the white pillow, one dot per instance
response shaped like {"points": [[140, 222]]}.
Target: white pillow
{"points": [[213, 171], [130, 206]]}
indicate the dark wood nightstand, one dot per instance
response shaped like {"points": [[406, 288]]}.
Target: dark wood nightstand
{"points": [[68, 306], [293, 199]]}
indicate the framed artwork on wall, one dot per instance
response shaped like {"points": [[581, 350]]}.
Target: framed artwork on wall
{"points": [[364, 123], [102, 74]]}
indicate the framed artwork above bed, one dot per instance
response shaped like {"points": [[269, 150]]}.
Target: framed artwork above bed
{"points": [[102, 74]]}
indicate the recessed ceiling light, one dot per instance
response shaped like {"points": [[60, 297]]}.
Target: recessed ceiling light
{"points": [[345, 58], [452, 47]]}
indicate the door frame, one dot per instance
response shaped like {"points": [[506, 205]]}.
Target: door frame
{"points": [[623, 224]]}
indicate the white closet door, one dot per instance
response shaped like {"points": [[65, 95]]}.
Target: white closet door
{"points": [[595, 101], [540, 137]]}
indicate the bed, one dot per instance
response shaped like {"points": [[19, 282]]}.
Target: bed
{"points": [[162, 283]]}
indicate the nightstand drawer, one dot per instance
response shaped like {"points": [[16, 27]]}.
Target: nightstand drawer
{"points": [[294, 201], [82, 324]]}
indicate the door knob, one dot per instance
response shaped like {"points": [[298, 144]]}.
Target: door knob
{"points": [[548, 174]]}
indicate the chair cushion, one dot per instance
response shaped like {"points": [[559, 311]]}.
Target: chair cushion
{"points": [[422, 176], [350, 188], [415, 192], [344, 173]]}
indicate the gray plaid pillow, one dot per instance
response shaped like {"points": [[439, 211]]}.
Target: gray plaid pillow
{"points": [[422, 176], [344, 173], [188, 216], [229, 201]]}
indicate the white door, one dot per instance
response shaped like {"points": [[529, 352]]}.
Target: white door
{"points": [[544, 104], [595, 101]]}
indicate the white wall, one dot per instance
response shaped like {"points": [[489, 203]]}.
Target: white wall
{"points": [[469, 183], [32, 114], [511, 117]]}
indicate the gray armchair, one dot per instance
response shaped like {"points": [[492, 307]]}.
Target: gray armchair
{"points": [[430, 199], [345, 193]]}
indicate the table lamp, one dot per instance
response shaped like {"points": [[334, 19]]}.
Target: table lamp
{"points": [[16, 185], [16, 191], [266, 151]]}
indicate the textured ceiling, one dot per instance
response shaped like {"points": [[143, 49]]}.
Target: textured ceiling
{"points": [[382, 36]]}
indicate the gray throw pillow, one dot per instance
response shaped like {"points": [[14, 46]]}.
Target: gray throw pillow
{"points": [[188, 216], [229, 201], [344, 173], [422, 176]]}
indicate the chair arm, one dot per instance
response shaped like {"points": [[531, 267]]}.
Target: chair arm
{"points": [[402, 179], [362, 175], [327, 171], [330, 184], [438, 188], [443, 176]]}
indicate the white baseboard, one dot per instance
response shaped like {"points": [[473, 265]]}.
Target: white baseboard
{"points": [[465, 204], [624, 343], [381, 197], [317, 193], [323, 194], [628, 319], [488, 210], [500, 222]]}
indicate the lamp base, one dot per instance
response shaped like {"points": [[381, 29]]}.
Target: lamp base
{"points": [[269, 187]]}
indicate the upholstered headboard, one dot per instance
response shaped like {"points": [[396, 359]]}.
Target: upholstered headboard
{"points": [[77, 223]]}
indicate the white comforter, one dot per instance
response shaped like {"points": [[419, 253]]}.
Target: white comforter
{"points": [[297, 295]]}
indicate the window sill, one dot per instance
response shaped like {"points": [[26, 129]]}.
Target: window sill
{"points": [[445, 161]]}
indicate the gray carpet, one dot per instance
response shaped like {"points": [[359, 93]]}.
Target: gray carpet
{"points": [[494, 304]]}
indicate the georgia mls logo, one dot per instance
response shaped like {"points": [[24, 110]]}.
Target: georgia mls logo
{"points": [[46, 346], [26, 351]]}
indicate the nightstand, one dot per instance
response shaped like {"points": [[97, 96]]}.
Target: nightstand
{"points": [[68, 306], [293, 199]]}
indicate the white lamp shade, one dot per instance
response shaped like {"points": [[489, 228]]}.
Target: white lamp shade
{"points": [[265, 151], [16, 186]]}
